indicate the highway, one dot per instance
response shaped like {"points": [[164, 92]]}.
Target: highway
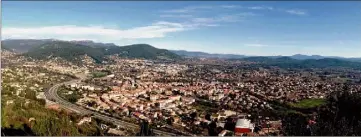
{"points": [[52, 95]]}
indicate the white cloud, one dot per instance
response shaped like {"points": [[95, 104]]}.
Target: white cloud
{"points": [[256, 8], [296, 12], [230, 6], [176, 16], [188, 9], [165, 23], [261, 8], [206, 21], [178, 11], [246, 14], [96, 33], [290, 11], [256, 45]]}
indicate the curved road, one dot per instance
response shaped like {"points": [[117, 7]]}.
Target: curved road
{"points": [[52, 95]]}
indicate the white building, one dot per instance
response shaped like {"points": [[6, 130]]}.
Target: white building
{"points": [[110, 76], [153, 97], [85, 119], [243, 126]]}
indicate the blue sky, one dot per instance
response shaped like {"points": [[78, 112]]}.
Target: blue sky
{"points": [[237, 27]]}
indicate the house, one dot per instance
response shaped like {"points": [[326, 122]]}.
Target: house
{"points": [[116, 132], [110, 76], [137, 114], [91, 88], [141, 107], [174, 98], [168, 93], [220, 96], [73, 85], [9, 102], [93, 95], [85, 120], [226, 113], [176, 119], [115, 88], [221, 124], [153, 97], [171, 105]]}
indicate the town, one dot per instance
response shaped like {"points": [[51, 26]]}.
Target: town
{"points": [[217, 98]]}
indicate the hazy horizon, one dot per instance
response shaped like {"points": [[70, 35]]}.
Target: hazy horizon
{"points": [[243, 28]]}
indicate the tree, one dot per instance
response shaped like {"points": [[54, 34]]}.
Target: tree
{"points": [[30, 94], [42, 101], [193, 115], [212, 129], [341, 116], [229, 125], [294, 124], [208, 116], [170, 121]]}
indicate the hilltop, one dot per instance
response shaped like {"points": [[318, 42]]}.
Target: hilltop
{"points": [[66, 50], [72, 51], [22, 45], [142, 51]]}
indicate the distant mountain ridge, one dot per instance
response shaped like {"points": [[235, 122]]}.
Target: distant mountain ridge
{"points": [[92, 43], [133, 51], [24, 45], [236, 56], [288, 62], [205, 55]]}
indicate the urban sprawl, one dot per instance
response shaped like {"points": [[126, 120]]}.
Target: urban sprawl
{"points": [[189, 97]]}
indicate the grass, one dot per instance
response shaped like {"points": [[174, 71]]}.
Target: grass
{"points": [[309, 103], [303, 107], [99, 74]]}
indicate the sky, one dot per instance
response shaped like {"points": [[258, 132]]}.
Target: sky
{"points": [[233, 27]]}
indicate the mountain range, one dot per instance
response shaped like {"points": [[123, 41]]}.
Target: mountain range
{"points": [[72, 50], [236, 56]]}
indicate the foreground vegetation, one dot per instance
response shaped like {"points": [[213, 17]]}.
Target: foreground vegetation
{"points": [[23, 113], [24, 116], [339, 116]]}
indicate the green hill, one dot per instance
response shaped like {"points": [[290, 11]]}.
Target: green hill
{"points": [[141, 51], [72, 51], [66, 50]]}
